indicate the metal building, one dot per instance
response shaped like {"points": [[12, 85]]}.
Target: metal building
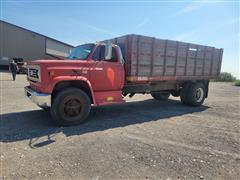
{"points": [[18, 42]]}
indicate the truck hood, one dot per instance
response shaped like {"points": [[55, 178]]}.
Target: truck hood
{"points": [[58, 65], [55, 62], [40, 70]]}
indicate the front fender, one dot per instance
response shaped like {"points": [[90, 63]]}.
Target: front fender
{"points": [[59, 79]]}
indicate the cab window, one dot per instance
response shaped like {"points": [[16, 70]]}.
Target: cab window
{"points": [[114, 55], [99, 54]]}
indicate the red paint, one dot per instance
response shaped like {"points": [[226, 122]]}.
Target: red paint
{"points": [[103, 98], [105, 79], [111, 75]]}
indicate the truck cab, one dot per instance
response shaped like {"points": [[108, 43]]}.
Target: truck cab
{"points": [[92, 75]]}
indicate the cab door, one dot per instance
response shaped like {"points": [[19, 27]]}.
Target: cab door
{"points": [[106, 75]]}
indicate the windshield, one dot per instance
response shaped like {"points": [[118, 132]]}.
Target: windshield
{"points": [[81, 52]]}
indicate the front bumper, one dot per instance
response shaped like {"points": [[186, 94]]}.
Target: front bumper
{"points": [[41, 99]]}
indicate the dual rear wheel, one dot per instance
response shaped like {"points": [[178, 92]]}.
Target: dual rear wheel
{"points": [[192, 94]]}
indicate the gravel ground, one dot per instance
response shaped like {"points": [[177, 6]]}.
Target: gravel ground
{"points": [[141, 139]]}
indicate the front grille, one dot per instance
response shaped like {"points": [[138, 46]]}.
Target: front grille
{"points": [[34, 73]]}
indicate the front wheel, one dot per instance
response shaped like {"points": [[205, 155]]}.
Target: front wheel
{"points": [[71, 107], [160, 95]]}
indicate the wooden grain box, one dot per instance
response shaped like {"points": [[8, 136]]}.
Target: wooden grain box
{"points": [[152, 59]]}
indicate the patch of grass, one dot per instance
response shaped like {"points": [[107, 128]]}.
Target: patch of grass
{"points": [[237, 83]]}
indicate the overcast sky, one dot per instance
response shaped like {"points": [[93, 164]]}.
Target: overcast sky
{"points": [[75, 21]]}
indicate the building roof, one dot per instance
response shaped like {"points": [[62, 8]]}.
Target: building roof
{"points": [[1, 21]]}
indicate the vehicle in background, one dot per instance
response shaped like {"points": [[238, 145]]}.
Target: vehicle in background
{"points": [[104, 73], [22, 66]]}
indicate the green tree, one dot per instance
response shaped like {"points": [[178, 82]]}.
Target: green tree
{"points": [[226, 77]]}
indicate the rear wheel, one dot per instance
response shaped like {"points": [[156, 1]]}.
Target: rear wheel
{"points": [[70, 107], [196, 94], [160, 95], [183, 94], [193, 94]]}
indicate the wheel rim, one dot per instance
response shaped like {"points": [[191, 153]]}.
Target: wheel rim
{"points": [[71, 108], [199, 94]]}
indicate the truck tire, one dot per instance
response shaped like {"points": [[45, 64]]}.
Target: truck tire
{"points": [[196, 94], [160, 95], [183, 94], [70, 107]]}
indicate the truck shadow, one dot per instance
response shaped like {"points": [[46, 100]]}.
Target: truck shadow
{"points": [[33, 125]]}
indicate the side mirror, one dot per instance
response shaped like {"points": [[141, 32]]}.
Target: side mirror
{"points": [[108, 52]]}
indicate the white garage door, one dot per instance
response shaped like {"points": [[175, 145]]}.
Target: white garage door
{"points": [[57, 49]]}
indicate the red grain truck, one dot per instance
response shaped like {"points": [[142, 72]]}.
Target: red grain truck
{"points": [[104, 73]]}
